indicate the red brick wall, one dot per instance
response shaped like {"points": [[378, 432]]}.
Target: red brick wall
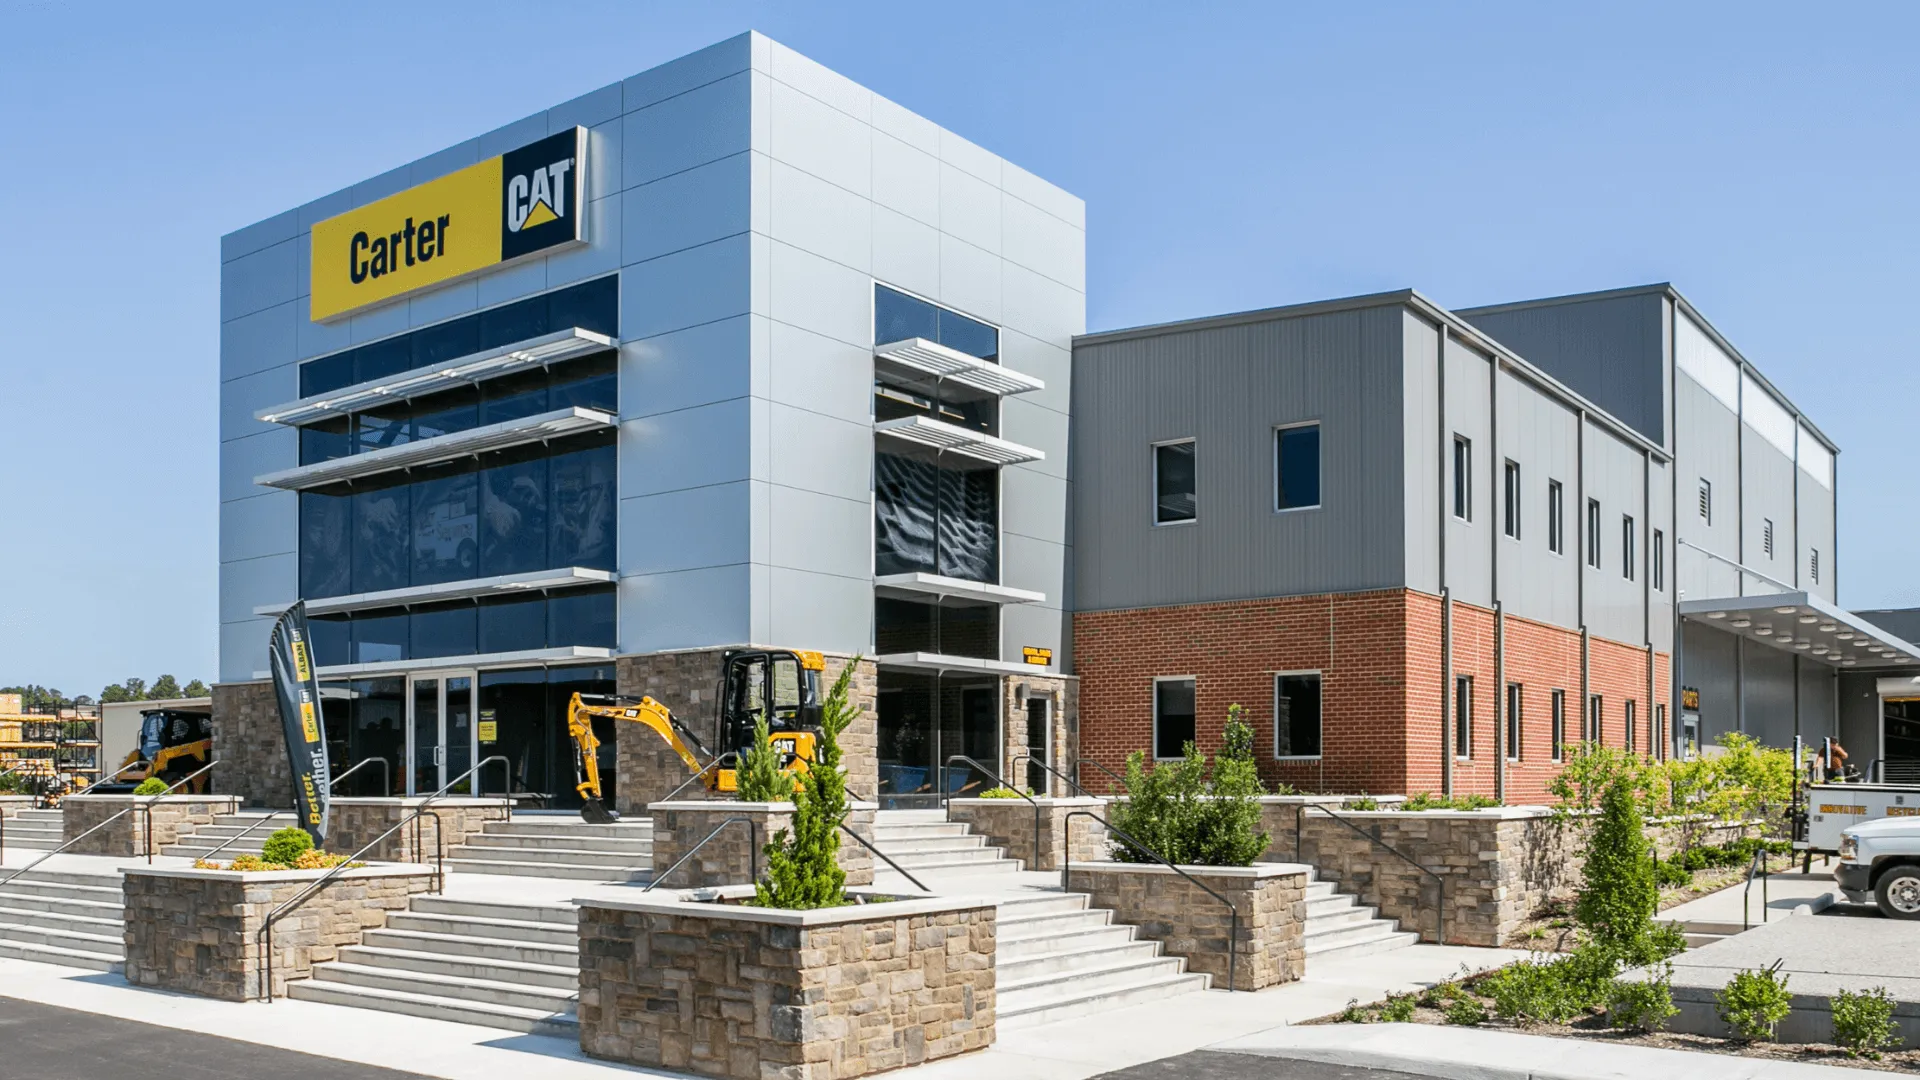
{"points": [[1382, 699]]}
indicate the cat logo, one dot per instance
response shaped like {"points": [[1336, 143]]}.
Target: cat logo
{"points": [[526, 202]]}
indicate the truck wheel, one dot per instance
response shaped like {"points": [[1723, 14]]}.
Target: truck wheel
{"points": [[1898, 894]]}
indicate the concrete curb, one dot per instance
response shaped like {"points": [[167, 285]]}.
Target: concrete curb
{"points": [[1452, 1053]]}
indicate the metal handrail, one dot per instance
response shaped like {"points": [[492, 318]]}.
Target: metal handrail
{"points": [[90, 832], [1758, 864], [1032, 759], [1440, 881], [232, 840], [171, 789], [946, 795], [717, 760], [1066, 867], [264, 936], [753, 852], [114, 775], [386, 774], [1078, 762]]}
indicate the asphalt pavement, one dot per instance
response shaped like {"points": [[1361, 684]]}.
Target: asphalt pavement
{"points": [[41, 1042], [1212, 1065]]}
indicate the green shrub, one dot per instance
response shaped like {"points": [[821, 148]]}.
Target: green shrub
{"points": [[1001, 792], [152, 785], [1426, 800], [285, 845], [1663, 940], [1669, 874], [1642, 1006], [1755, 1001], [1588, 972], [13, 784], [1863, 1022], [759, 777], [1536, 990], [1618, 896], [1364, 802], [1353, 1014], [1465, 1011], [1181, 813], [1398, 1008], [804, 871]]}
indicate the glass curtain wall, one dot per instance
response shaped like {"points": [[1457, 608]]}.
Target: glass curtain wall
{"points": [[924, 720], [935, 520], [578, 616]]}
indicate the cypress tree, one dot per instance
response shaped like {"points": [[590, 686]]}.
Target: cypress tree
{"points": [[1618, 896], [759, 778], [803, 870]]}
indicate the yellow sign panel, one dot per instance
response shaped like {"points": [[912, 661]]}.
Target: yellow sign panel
{"points": [[1833, 808], [524, 202], [1036, 656], [489, 731]]}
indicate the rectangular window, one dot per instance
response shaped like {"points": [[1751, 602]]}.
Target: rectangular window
{"points": [[1706, 501], [1629, 555], [1510, 507], [1766, 536], [1172, 716], [1296, 467], [1631, 716], [1514, 697], [1556, 519], [1594, 726], [897, 317], [1656, 737], [1174, 495], [1559, 725], [1593, 533], [1813, 564], [1659, 557], [1296, 714], [1463, 716], [1462, 478]]}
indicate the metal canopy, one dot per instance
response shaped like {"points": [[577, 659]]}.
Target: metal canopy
{"points": [[921, 586], [953, 439], [566, 577], [530, 429], [533, 352], [482, 662], [940, 663], [1805, 624], [923, 364]]}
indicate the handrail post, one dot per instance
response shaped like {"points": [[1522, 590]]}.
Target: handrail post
{"points": [[1066, 878], [888, 859], [946, 794], [753, 835], [1440, 881]]}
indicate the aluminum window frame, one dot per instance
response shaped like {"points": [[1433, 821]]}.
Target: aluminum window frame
{"points": [[1629, 546], [1556, 517], [1559, 719], [1463, 718], [1462, 478], [1319, 468], [1594, 559], [1657, 561], [1319, 721], [1155, 706], [1153, 488], [1514, 719], [1511, 499], [1631, 716]]}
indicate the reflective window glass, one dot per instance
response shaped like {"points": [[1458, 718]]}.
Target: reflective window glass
{"points": [[513, 512], [1173, 717], [523, 731], [382, 526], [594, 305], [446, 412], [513, 624], [583, 505], [969, 336], [581, 617], [513, 322], [446, 522], [591, 383], [447, 341], [380, 636], [377, 429], [897, 317], [514, 396], [328, 439], [382, 358], [442, 630], [326, 373], [326, 526], [1174, 485], [332, 637], [1297, 467]]}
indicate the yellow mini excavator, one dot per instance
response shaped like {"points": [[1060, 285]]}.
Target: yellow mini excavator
{"points": [[781, 686]]}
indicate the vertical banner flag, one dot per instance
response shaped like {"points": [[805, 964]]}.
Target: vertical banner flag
{"points": [[290, 655]]}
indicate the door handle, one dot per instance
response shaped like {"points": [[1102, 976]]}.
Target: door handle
{"points": [[439, 755]]}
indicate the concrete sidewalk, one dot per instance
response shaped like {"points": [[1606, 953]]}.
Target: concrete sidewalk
{"points": [[1460, 1053]]}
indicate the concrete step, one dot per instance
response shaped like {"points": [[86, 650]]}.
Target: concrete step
{"points": [[65, 957], [938, 845], [112, 946], [1365, 940], [534, 933], [1060, 1000], [1330, 904], [636, 829], [1351, 915], [30, 885], [41, 876], [1051, 922], [508, 867], [39, 816], [510, 993], [1091, 936], [92, 920], [533, 1021], [488, 848], [485, 948], [1118, 974], [984, 858], [1020, 909], [640, 846], [1057, 964], [1695, 941], [464, 967], [884, 832], [561, 914]]}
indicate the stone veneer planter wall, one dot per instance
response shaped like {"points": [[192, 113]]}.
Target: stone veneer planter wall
{"points": [[173, 817], [720, 989], [1279, 812], [11, 805], [730, 857], [355, 822], [1009, 824], [194, 931], [1271, 899]]}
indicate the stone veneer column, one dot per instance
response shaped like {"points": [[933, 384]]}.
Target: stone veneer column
{"points": [[356, 822], [250, 745], [1189, 921], [101, 825], [1009, 824], [1064, 698]]}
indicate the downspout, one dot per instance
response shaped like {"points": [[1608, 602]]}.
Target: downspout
{"points": [[1496, 464], [1446, 595], [1580, 568], [1654, 735], [1676, 647]]}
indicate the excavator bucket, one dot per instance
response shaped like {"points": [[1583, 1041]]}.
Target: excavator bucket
{"points": [[595, 812]]}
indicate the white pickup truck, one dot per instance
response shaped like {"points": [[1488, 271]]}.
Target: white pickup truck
{"points": [[1880, 864]]}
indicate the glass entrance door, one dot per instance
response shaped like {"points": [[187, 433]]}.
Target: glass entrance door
{"points": [[1039, 746], [440, 742]]}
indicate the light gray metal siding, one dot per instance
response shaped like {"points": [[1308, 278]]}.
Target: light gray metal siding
{"points": [[1766, 494], [1859, 722], [1817, 700], [1229, 387], [1710, 664], [1608, 350], [1660, 477], [1420, 451], [1469, 411], [1817, 534], [1614, 478], [1770, 689], [1540, 435], [1706, 446]]}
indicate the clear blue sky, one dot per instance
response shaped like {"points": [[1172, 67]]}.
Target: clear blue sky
{"points": [[1762, 157]]}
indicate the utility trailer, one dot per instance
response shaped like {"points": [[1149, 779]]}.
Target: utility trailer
{"points": [[1832, 808]]}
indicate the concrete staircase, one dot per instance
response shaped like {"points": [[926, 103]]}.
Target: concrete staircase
{"points": [[1059, 957], [36, 829], [1340, 927], [513, 966], [556, 846], [204, 840], [54, 917], [924, 842]]}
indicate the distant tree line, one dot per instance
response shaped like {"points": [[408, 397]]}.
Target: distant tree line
{"points": [[166, 687]]}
